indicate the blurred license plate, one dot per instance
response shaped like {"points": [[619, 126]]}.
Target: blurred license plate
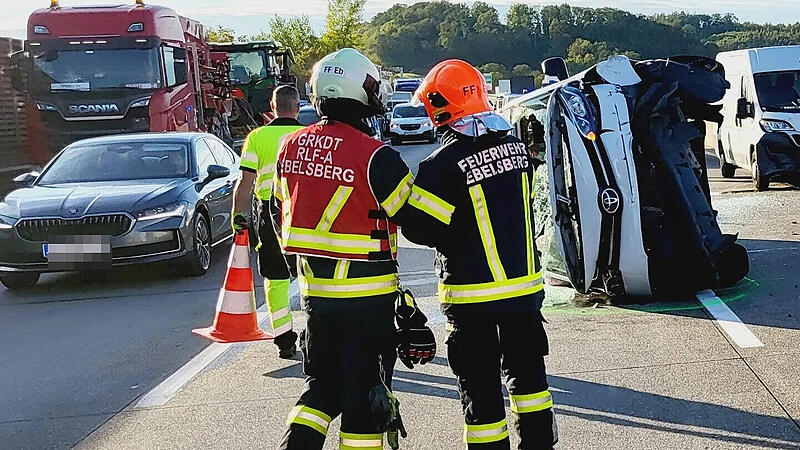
{"points": [[77, 252]]}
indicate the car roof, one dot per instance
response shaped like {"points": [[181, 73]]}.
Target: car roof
{"points": [[185, 137], [405, 104]]}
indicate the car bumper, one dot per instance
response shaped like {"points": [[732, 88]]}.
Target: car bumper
{"points": [[411, 134], [144, 243], [779, 155]]}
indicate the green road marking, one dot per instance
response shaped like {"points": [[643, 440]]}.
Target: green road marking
{"points": [[561, 300]]}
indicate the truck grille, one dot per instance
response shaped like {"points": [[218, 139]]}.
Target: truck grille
{"points": [[37, 230], [410, 127]]}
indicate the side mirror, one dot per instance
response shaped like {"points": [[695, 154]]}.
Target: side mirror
{"points": [[26, 179], [19, 69], [744, 109], [215, 171]]}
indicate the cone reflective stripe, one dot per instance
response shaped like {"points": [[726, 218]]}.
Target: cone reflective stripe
{"points": [[236, 319]]}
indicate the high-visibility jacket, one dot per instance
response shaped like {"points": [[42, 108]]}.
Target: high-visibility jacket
{"points": [[332, 207], [329, 208], [260, 152], [471, 200]]}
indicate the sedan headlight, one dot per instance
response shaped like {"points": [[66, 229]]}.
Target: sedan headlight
{"points": [[7, 223], [776, 125], [177, 209], [394, 126]]}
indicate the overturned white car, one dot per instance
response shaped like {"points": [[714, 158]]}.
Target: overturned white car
{"points": [[628, 186]]}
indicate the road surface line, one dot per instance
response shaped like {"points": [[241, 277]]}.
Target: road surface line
{"points": [[728, 320], [167, 389]]}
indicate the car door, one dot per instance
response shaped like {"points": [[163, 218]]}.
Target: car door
{"points": [[743, 133], [226, 157], [212, 192]]}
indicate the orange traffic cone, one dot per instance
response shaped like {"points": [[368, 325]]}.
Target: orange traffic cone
{"points": [[236, 319]]}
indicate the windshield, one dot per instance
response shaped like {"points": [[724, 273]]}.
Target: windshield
{"points": [[246, 66], [401, 96], [404, 112], [308, 116], [85, 70], [779, 91], [118, 161]]}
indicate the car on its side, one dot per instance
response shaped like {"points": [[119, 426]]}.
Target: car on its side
{"points": [[120, 200], [410, 123]]}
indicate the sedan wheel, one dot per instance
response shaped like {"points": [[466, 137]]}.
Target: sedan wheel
{"points": [[199, 258], [19, 280]]}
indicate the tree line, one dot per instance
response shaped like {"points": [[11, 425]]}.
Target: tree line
{"points": [[418, 36]]}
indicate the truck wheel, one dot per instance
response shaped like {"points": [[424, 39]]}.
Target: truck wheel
{"points": [[19, 280], [198, 260], [760, 182], [728, 169]]}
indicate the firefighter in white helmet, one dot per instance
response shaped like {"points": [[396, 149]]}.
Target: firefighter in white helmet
{"points": [[336, 191]]}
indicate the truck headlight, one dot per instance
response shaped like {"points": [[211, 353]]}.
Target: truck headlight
{"points": [[141, 103], [177, 209], [775, 125]]}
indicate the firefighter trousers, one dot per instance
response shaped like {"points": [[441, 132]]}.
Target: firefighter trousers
{"points": [[276, 268], [485, 341], [341, 347]]}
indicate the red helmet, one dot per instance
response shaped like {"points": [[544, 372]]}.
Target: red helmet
{"points": [[453, 89]]}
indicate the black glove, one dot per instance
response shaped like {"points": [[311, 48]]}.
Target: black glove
{"points": [[385, 408], [415, 341], [240, 223]]}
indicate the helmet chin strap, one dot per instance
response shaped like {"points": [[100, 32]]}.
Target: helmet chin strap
{"points": [[476, 125]]}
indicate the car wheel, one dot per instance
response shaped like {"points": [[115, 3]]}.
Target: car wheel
{"points": [[198, 259], [19, 280], [760, 182], [728, 170]]}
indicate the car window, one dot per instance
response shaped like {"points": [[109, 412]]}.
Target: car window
{"points": [[221, 153], [117, 161], [205, 158], [404, 112]]}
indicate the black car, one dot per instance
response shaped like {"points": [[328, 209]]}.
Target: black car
{"points": [[117, 200]]}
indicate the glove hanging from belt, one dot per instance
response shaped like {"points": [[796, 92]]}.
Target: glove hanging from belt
{"points": [[239, 222], [385, 408], [415, 341]]}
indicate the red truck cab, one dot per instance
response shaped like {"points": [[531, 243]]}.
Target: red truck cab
{"points": [[116, 69]]}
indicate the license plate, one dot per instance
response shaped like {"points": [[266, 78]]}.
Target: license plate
{"points": [[78, 252]]}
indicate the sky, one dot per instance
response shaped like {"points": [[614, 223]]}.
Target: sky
{"points": [[250, 16]]}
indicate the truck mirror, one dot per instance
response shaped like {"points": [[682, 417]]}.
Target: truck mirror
{"points": [[744, 109], [181, 68], [19, 69]]}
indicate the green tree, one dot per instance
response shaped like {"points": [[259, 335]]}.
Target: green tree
{"points": [[343, 25], [221, 34], [296, 33]]}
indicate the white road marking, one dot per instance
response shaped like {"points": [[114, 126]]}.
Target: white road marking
{"points": [[728, 320], [162, 393]]}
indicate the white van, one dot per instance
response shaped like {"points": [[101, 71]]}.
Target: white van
{"points": [[761, 127]]}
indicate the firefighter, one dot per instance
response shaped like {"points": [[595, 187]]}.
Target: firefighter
{"points": [[336, 189], [259, 155], [471, 202]]}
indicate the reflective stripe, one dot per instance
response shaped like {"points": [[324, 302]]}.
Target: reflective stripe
{"points": [[309, 417], [526, 206], [492, 432], [399, 196], [342, 267], [334, 207], [249, 160], [277, 185], [531, 402], [360, 441], [495, 290], [350, 287], [431, 204], [280, 329], [334, 242], [283, 312], [233, 302], [487, 233], [267, 169]]}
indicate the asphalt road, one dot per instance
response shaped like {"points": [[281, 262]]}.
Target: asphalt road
{"points": [[78, 349]]}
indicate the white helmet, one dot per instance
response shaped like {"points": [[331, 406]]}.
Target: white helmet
{"points": [[346, 74]]}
